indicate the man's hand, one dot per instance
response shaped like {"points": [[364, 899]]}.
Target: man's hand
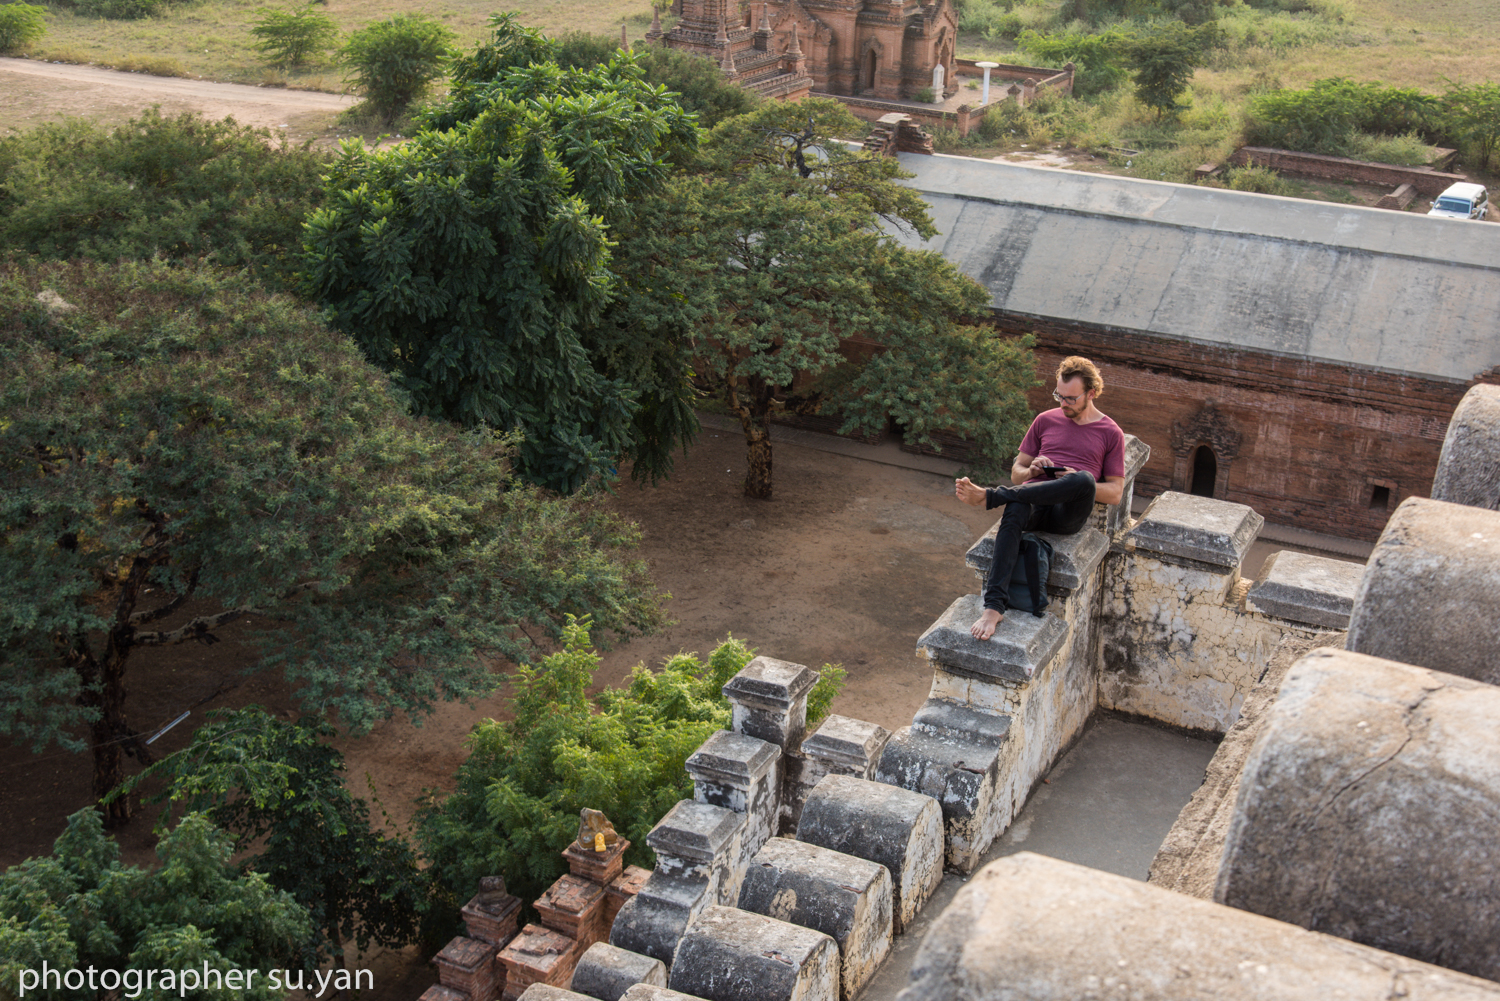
{"points": [[969, 492]]}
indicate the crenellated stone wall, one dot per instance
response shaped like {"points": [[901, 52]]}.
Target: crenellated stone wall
{"points": [[1356, 794]]}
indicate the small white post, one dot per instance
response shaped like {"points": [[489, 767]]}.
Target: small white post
{"points": [[984, 95], [937, 84]]}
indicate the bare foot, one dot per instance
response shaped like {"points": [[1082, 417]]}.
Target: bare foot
{"points": [[984, 626]]}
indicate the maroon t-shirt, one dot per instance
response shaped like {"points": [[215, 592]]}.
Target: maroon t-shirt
{"points": [[1097, 448]]}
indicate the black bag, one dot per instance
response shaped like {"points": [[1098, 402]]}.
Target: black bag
{"points": [[1028, 579]]}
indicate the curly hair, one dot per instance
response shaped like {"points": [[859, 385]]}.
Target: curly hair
{"points": [[1078, 367]]}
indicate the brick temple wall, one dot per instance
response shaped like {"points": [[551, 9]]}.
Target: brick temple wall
{"points": [[1304, 443]]}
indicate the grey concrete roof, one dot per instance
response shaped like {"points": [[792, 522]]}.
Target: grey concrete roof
{"points": [[1367, 287]]}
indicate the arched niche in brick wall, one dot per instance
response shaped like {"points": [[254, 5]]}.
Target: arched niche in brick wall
{"points": [[1208, 428]]}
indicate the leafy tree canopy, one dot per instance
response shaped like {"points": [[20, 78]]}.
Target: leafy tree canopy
{"points": [[519, 793], [474, 263], [173, 434], [184, 187], [279, 787], [81, 908], [1163, 62], [773, 259], [289, 35]]}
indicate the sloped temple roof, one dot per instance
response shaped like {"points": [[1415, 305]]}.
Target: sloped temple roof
{"points": [[1365, 287]]}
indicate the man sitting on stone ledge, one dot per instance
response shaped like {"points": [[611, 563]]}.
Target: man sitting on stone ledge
{"points": [[1085, 453]]}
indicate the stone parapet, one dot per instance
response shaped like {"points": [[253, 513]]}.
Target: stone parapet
{"points": [[1196, 531], [650, 992], [1468, 470], [1021, 645], [1030, 928], [653, 921], [605, 972], [1428, 596], [768, 700], [952, 753], [1074, 557], [733, 955], [1368, 809], [547, 992], [845, 746], [740, 773], [893, 827], [701, 841], [844, 897], [1312, 590]]}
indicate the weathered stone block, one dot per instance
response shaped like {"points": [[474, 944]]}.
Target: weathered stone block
{"points": [[1200, 530], [437, 992], [740, 773], [844, 897], [952, 753], [894, 827], [1117, 516], [1468, 470], [546, 992], [1311, 589], [1030, 928], [606, 972], [700, 840], [1369, 807], [653, 921], [1074, 557], [1430, 594], [769, 701], [650, 992], [844, 746], [1023, 643], [624, 886], [733, 955]]}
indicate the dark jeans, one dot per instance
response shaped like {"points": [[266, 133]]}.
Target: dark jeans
{"points": [[1061, 506]]}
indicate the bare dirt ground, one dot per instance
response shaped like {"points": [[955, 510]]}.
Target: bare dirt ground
{"points": [[36, 92]]}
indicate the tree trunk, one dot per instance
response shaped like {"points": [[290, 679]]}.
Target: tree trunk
{"points": [[109, 733], [758, 476]]}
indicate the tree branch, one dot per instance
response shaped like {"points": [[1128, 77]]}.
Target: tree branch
{"points": [[140, 618]]}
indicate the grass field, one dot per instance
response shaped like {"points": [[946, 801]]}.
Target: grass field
{"points": [[211, 39]]}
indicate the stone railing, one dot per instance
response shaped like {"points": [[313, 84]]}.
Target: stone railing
{"points": [[1363, 796]]}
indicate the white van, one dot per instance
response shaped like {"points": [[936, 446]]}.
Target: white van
{"points": [[1462, 201]]}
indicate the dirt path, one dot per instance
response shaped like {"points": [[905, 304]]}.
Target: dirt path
{"points": [[36, 92]]}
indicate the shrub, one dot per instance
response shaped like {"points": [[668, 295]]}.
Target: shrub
{"points": [[123, 9], [1098, 59], [394, 60], [20, 25], [289, 35], [181, 187], [924, 94], [1325, 117], [516, 801], [1261, 180]]}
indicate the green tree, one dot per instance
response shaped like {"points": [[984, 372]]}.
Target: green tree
{"points": [[517, 796], [475, 262], [1163, 63], [279, 787], [80, 909], [185, 188], [393, 61], [174, 434], [1472, 117], [20, 25], [770, 257], [288, 35], [1098, 58]]}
